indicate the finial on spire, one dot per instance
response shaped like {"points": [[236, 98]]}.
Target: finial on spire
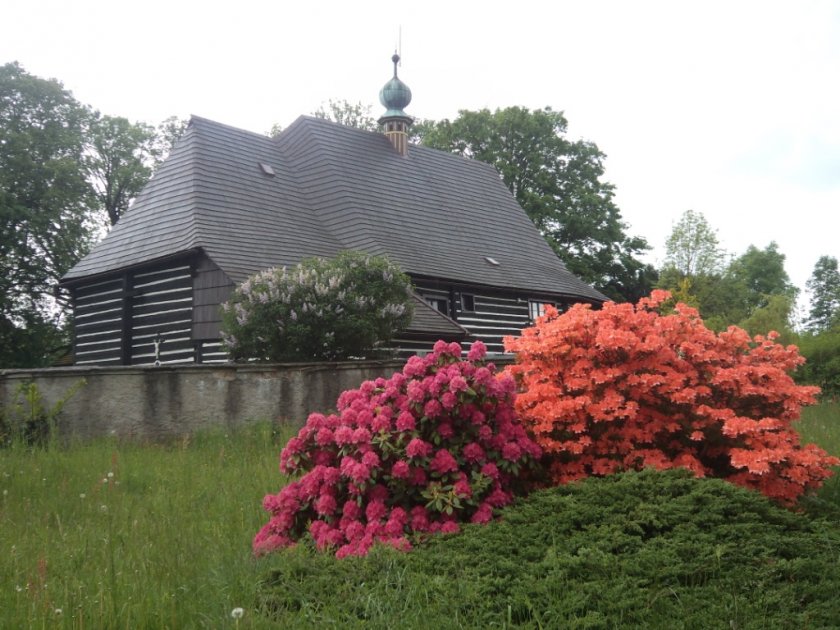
{"points": [[396, 60]]}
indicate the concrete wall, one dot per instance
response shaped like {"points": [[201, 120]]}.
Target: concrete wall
{"points": [[162, 402]]}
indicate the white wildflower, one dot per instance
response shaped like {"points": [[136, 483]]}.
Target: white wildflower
{"points": [[237, 613]]}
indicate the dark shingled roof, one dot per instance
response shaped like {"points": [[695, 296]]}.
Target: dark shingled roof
{"points": [[333, 188]]}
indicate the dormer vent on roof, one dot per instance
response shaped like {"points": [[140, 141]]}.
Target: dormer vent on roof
{"points": [[394, 96]]}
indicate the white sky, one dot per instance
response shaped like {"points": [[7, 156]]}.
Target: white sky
{"points": [[730, 108]]}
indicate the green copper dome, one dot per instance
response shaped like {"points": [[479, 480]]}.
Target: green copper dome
{"points": [[395, 95]]}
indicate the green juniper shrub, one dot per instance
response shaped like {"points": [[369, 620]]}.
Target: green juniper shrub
{"points": [[321, 309], [640, 549]]}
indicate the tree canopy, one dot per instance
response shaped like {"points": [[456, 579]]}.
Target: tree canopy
{"points": [[824, 285], [64, 168], [45, 201], [753, 290], [120, 162], [346, 113], [693, 249]]}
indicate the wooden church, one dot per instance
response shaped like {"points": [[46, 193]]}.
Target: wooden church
{"points": [[228, 203]]}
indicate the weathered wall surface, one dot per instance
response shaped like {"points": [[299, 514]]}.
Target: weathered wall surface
{"points": [[162, 402]]}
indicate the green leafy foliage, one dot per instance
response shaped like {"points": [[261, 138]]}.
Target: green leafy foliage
{"points": [[25, 420], [822, 361], [559, 184], [349, 114], [752, 291], [63, 167], [322, 309], [120, 162], [824, 285], [693, 248], [648, 549], [45, 224]]}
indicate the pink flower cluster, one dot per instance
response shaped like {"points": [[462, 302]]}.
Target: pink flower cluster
{"points": [[433, 446]]}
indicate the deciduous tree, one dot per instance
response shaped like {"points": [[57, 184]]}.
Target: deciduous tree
{"points": [[120, 163], [693, 249], [350, 114], [824, 285], [45, 201]]}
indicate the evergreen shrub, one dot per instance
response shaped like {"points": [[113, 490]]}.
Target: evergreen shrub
{"points": [[643, 549]]}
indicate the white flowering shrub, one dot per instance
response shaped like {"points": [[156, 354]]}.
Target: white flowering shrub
{"points": [[322, 309]]}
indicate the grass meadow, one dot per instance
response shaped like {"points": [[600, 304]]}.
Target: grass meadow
{"points": [[123, 535]]}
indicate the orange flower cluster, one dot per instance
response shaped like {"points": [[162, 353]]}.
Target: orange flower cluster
{"points": [[625, 387]]}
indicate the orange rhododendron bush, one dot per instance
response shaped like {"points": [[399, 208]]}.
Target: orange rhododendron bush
{"points": [[625, 387]]}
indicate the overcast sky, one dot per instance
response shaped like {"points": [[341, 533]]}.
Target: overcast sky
{"points": [[728, 108]]}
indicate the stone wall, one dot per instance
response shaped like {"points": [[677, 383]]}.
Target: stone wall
{"points": [[157, 403]]}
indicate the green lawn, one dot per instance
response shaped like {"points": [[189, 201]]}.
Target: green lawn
{"points": [[129, 536], [110, 535]]}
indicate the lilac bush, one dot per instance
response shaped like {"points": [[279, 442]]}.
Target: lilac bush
{"points": [[321, 309]]}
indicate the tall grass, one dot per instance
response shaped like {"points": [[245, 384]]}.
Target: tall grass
{"points": [[820, 424], [110, 535]]}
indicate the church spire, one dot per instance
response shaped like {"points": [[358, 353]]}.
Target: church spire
{"points": [[394, 96]]}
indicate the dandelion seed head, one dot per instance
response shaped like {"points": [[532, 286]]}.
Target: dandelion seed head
{"points": [[237, 613]]}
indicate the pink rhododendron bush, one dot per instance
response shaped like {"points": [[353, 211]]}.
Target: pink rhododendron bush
{"points": [[433, 446]]}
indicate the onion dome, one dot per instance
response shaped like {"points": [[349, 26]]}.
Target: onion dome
{"points": [[394, 96]]}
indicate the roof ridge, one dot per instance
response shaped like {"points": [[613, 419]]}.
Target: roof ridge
{"points": [[203, 120]]}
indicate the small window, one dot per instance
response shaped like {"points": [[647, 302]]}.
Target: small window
{"points": [[467, 302], [438, 303], [537, 309]]}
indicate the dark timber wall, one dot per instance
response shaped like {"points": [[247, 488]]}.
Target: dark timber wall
{"points": [[118, 318], [98, 321], [211, 288], [161, 304], [495, 315]]}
